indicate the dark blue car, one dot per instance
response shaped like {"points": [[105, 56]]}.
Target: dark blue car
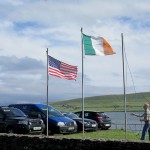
{"points": [[13, 120], [57, 123], [89, 125]]}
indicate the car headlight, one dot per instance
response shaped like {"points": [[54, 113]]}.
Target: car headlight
{"points": [[87, 123], [29, 123], [60, 124], [22, 122], [75, 123], [41, 121]]}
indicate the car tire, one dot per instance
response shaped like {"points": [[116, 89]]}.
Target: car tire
{"points": [[10, 130], [49, 132], [105, 128]]}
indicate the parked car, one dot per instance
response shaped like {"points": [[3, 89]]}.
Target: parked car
{"points": [[103, 120], [89, 125], [57, 122], [13, 120]]}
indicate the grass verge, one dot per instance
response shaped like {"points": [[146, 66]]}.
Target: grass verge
{"points": [[111, 134]]}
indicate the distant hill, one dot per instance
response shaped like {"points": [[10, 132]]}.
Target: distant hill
{"points": [[134, 102]]}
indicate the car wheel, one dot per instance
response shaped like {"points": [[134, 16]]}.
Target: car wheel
{"points": [[10, 130], [105, 128], [49, 132]]}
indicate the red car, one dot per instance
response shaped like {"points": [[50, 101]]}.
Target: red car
{"points": [[102, 119]]}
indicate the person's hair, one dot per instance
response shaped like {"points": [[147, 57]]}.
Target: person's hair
{"points": [[146, 104]]}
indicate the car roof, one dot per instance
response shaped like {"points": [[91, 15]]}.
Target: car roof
{"points": [[90, 111], [6, 107], [41, 106], [34, 104]]}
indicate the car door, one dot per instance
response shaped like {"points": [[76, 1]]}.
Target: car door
{"points": [[2, 122]]}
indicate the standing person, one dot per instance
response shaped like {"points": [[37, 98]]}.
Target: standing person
{"points": [[146, 119]]}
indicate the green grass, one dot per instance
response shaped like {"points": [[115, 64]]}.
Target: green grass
{"points": [[111, 134], [134, 102]]}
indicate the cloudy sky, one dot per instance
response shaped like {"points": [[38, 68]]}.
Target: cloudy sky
{"points": [[29, 27]]}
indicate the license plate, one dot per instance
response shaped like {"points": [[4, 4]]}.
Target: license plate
{"points": [[107, 125], [93, 125], [71, 128], [36, 128]]}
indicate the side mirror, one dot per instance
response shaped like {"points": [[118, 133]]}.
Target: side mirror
{"points": [[39, 116]]}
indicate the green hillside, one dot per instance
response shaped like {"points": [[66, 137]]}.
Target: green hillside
{"points": [[134, 102]]}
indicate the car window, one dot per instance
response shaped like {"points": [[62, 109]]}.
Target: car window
{"points": [[35, 113], [78, 114], [88, 114], [71, 115], [24, 108], [13, 112], [52, 112]]}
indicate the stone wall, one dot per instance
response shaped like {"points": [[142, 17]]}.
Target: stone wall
{"points": [[28, 142]]}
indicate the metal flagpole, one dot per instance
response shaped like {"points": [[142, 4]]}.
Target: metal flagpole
{"points": [[82, 83], [47, 93], [124, 86]]}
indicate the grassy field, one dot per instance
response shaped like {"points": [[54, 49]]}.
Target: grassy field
{"points": [[106, 103], [111, 134], [134, 102]]}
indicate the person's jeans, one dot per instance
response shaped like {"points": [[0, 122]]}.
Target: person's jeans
{"points": [[146, 128]]}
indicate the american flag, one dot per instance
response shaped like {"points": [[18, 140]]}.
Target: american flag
{"points": [[61, 69]]}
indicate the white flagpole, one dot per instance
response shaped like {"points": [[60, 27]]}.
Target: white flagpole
{"points": [[124, 86], [82, 83], [47, 93]]}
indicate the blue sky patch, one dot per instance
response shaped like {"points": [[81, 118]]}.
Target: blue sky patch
{"points": [[24, 25], [135, 24]]}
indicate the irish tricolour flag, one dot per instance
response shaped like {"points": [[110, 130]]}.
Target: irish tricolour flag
{"points": [[96, 46]]}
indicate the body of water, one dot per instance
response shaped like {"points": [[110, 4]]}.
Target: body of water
{"points": [[118, 121]]}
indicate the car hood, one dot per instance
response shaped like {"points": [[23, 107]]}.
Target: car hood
{"points": [[80, 119], [18, 118], [61, 119]]}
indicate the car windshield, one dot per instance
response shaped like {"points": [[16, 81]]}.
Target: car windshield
{"points": [[14, 112], [52, 112], [71, 115]]}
